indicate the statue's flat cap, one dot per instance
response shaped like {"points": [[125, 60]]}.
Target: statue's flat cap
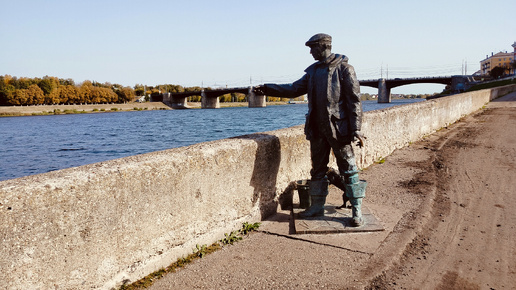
{"points": [[319, 38]]}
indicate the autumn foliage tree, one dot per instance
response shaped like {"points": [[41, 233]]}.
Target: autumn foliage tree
{"points": [[51, 90], [125, 94], [35, 95]]}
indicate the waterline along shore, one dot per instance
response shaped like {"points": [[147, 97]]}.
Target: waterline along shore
{"points": [[11, 111], [8, 111]]}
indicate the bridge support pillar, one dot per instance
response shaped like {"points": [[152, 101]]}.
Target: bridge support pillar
{"points": [[178, 102], [384, 92], [166, 98], [209, 102], [254, 100]]}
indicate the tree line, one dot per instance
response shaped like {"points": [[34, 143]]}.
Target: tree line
{"points": [[50, 90]]}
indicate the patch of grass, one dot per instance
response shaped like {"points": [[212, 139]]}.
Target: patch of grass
{"points": [[247, 228], [492, 85], [74, 111], [199, 252], [11, 114], [44, 113], [230, 238]]}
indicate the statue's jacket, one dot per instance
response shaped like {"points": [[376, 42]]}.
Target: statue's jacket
{"points": [[331, 84]]}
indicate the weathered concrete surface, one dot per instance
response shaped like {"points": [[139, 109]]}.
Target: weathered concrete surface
{"points": [[97, 225], [335, 220], [256, 101], [176, 102], [384, 93], [209, 103]]}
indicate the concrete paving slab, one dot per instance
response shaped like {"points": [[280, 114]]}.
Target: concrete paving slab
{"points": [[335, 221], [282, 224]]}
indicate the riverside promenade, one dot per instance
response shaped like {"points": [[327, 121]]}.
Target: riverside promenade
{"points": [[440, 175], [446, 203]]}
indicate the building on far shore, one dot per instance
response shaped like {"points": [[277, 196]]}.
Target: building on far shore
{"points": [[500, 59]]}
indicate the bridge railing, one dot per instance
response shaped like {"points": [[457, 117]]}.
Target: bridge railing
{"points": [[409, 79]]}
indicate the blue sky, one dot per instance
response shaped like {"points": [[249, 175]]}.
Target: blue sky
{"points": [[238, 43]]}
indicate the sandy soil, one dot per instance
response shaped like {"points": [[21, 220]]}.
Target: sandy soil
{"points": [[469, 242], [449, 212]]}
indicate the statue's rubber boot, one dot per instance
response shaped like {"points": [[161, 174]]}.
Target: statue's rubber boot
{"points": [[340, 182], [356, 208], [318, 192], [355, 191]]}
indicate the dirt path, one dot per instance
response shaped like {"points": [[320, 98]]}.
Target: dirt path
{"points": [[470, 239], [449, 212]]}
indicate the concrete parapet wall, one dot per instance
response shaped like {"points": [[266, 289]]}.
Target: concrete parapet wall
{"points": [[97, 225]]}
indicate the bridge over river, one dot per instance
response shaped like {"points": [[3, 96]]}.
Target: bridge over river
{"points": [[210, 98]]}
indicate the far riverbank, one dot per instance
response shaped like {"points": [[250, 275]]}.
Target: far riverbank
{"points": [[11, 111]]}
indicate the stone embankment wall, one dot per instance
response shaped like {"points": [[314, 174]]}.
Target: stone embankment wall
{"points": [[98, 225]]}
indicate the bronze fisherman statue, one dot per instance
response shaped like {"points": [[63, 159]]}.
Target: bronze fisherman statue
{"points": [[333, 122]]}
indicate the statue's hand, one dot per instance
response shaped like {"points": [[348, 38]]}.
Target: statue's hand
{"points": [[360, 138], [259, 90]]}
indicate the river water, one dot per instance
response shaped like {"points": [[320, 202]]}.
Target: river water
{"points": [[38, 144]]}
